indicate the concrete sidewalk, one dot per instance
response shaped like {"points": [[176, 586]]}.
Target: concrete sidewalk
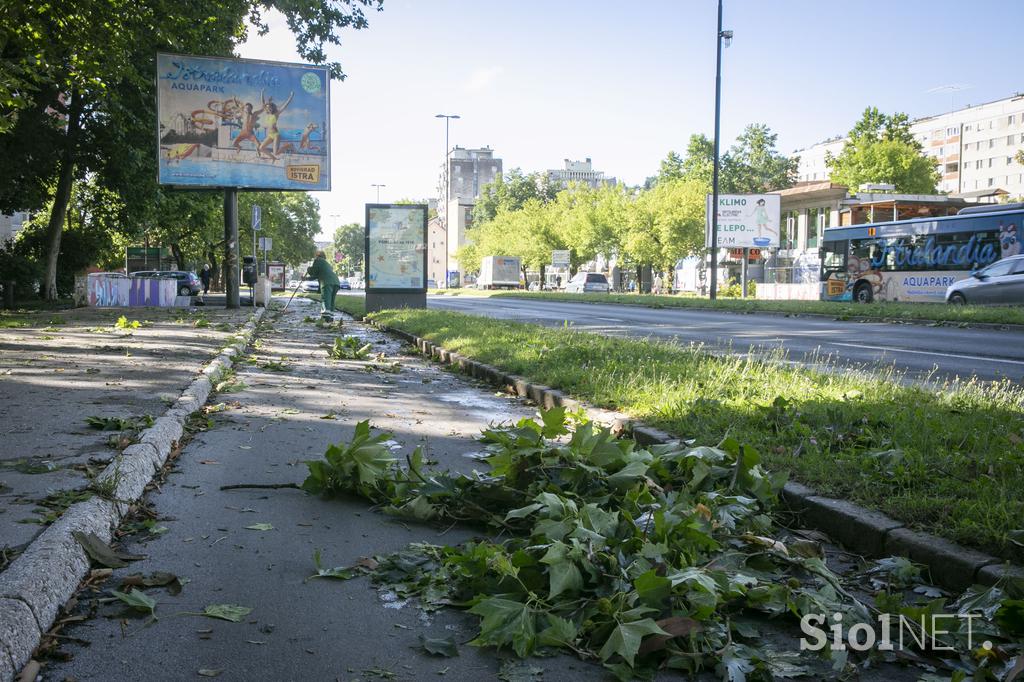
{"points": [[254, 548], [65, 366]]}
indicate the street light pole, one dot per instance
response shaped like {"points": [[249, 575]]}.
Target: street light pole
{"points": [[378, 190], [447, 189], [727, 35]]}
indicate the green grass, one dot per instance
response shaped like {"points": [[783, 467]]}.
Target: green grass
{"points": [[950, 462], [900, 312]]}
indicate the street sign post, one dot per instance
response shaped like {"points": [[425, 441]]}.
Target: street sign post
{"points": [[560, 258]]}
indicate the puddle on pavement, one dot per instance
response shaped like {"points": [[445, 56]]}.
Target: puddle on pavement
{"points": [[472, 398]]}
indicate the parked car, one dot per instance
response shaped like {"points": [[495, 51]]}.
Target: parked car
{"points": [[189, 283], [292, 283], [310, 286], [343, 284], [534, 286], [1001, 282], [587, 283]]}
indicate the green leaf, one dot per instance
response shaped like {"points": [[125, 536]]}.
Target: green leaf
{"points": [[505, 622], [1010, 617], [436, 646], [523, 512], [260, 526], [99, 551], [137, 600], [563, 574], [560, 632], [229, 612], [653, 589], [338, 572], [625, 639], [554, 422]]}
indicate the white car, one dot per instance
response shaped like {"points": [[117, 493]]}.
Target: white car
{"points": [[587, 283]]}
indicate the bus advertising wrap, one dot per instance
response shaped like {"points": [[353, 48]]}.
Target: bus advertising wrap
{"points": [[396, 247], [746, 220], [242, 123]]}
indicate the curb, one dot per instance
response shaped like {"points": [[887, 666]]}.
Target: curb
{"points": [[778, 313], [41, 580], [864, 531]]}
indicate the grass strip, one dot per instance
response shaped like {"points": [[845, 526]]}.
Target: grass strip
{"points": [[885, 312], [950, 462]]}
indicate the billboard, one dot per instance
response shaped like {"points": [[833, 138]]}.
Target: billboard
{"points": [[242, 123], [746, 220], [396, 247]]}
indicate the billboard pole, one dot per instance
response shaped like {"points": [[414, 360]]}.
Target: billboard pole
{"points": [[231, 285]]}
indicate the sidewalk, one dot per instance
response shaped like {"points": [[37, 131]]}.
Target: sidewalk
{"points": [[254, 548], [66, 366]]}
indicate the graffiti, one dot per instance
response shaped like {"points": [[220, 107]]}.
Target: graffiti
{"points": [[114, 290]]}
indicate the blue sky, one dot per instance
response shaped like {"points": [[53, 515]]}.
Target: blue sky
{"points": [[623, 83]]}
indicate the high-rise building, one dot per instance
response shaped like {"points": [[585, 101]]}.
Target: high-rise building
{"points": [[468, 171], [974, 149], [581, 172]]}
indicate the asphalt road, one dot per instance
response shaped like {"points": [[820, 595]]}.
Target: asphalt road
{"points": [[918, 352]]}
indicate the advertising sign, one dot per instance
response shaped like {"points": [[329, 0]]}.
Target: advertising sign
{"points": [[396, 247], [242, 123], [560, 259], [746, 220], [275, 272]]}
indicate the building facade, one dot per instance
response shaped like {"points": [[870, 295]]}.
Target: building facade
{"points": [[467, 171], [974, 149], [10, 225], [581, 172]]}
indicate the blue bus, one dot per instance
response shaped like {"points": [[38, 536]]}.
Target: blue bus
{"points": [[915, 260]]}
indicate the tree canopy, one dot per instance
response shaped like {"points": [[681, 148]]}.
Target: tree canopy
{"points": [[880, 148]]}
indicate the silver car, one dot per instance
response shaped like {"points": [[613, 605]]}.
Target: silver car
{"points": [[587, 282], [1001, 282]]}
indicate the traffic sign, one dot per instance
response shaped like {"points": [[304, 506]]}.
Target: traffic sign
{"points": [[266, 244], [257, 218]]}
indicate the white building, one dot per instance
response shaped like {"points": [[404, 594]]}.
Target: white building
{"points": [[973, 149], [10, 225], [581, 172]]}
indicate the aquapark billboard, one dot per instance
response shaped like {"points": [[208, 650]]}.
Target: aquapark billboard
{"points": [[243, 123]]}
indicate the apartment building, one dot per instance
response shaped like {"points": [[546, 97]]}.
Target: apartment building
{"points": [[581, 172], [974, 149]]}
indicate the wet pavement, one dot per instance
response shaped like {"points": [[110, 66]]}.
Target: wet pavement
{"points": [[254, 547], [66, 366]]}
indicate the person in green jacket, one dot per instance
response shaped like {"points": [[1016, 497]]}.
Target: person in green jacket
{"points": [[322, 271]]}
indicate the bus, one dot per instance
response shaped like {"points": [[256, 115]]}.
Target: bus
{"points": [[916, 260]]}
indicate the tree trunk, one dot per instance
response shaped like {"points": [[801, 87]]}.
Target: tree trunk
{"points": [[542, 280], [62, 196], [211, 258], [179, 257]]}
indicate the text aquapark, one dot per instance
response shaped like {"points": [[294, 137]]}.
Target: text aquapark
{"points": [[213, 80]]}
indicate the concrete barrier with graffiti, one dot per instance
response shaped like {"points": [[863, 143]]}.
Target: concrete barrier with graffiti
{"points": [[114, 290]]}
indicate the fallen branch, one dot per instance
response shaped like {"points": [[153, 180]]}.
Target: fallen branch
{"points": [[273, 486]]}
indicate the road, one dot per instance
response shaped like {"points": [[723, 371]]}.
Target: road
{"points": [[918, 351]]}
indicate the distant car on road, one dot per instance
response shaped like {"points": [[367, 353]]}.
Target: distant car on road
{"points": [[310, 286], [189, 283], [1001, 282], [587, 283], [343, 284], [292, 283]]}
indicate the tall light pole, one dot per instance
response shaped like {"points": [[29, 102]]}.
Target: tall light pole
{"points": [[727, 36], [378, 190], [447, 189]]}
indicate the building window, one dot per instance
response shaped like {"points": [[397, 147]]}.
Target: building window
{"points": [[965, 165], [992, 143], [990, 163], [951, 167], [991, 181], [977, 164], [1011, 119], [1009, 140], [1009, 160], [967, 127]]}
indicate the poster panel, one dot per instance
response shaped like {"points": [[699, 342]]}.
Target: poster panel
{"points": [[396, 247], [746, 220], [242, 123]]}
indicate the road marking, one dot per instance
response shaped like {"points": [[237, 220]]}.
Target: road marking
{"points": [[608, 319], [925, 352]]}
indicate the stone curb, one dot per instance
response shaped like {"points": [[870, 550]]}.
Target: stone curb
{"points": [[43, 577], [827, 316], [862, 530]]}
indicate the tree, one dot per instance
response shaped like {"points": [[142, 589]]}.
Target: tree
{"points": [[350, 241], [881, 148], [78, 77], [511, 192], [753, 166]]}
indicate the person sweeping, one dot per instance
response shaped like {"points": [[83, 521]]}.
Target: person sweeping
{"points": [[322, 271]]}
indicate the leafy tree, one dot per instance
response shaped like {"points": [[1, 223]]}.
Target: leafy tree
{"points": [[77, 77], [350, 241], [881, 148], [753, 166], [511, 192]]}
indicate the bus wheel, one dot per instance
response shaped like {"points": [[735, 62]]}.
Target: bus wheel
{"points": [[957, 299], [862, 293]]}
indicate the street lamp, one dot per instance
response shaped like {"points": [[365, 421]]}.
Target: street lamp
{"points": [[378, 190], [727, 37], [447, 190]]}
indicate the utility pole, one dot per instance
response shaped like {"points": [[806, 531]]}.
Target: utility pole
{"points": [[447, 189], [378, 190], [727, 36]]}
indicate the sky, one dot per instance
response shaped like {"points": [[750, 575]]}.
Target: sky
{"points": [[540, 81]]}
